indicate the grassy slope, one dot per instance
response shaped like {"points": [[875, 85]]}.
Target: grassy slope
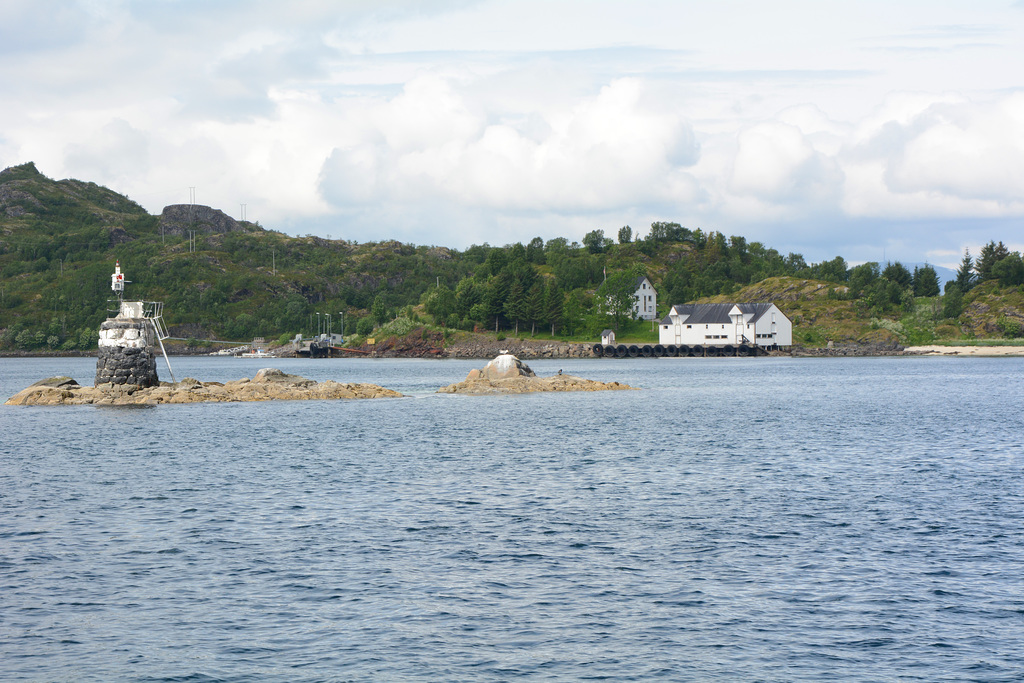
{"points": [[819, 318]]}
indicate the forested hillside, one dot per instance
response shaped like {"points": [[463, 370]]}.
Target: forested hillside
{"points": [[227, 279]]}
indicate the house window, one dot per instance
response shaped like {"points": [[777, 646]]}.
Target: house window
{"points": [[689, 327]]}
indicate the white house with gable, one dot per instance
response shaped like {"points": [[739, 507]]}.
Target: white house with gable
{"points": [[721, 324], [645, 304]]}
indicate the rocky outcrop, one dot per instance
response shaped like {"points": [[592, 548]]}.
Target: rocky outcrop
{"points": [[269, 384], [178, 219], [506, 374]]}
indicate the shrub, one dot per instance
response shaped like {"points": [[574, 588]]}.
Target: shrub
{"points": [[1009, 327], [365, 326], [399, 327]]}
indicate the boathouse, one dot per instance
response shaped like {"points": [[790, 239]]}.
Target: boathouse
{"points": [[737, 324]]}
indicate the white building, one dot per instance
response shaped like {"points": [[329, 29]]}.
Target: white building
{"points": [[645, 305], [721, 324]]}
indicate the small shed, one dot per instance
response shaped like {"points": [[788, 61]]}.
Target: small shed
{"points": [[608, 337]]}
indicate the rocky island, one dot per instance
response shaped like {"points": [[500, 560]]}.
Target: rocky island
{"points": [[269, 384], [506, 374]]}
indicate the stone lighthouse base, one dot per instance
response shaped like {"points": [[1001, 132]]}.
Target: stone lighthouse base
{"points": [[126, 353]]}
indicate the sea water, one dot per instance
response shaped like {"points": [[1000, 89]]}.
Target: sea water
{"points": [[735, 519]]}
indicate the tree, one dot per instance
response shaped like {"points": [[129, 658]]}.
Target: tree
{"points": [[515, 304], [573, 311], [625, 234], [378, 310], [897, 273], [364, 326], [862, 277], [440, 303], [965, 277], [535, 305], [831, 271], [596, 242], [1009, 270], [553, 299], [991, 254], [926, 281], [467, 294], [795, 263], [617, 295], [535, 251], [952, 301], [496, 261]]}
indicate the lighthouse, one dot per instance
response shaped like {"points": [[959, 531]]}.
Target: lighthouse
{"points": [[126, 343]]}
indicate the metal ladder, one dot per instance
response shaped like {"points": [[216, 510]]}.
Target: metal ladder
{"points": [[155, 315]]}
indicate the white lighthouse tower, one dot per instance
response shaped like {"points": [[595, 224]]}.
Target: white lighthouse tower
{"points": [[126, 354]]}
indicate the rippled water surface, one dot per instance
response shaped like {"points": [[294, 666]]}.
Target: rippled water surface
{"points": [[737, 519]]}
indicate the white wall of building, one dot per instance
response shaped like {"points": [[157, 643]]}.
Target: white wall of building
{"points": [[771, 328], [645, 305]]}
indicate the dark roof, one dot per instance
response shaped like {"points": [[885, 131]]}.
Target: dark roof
{"points": [[639, 281], [713, 314], [605, 333]]}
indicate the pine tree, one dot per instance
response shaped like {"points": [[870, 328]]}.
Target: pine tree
{"points": [[991, 254], [965, 277], [553, 299], [535, 306], [926, 281], [515, 304]]}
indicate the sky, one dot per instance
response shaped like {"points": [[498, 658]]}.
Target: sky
{"points": [[874, 130]]}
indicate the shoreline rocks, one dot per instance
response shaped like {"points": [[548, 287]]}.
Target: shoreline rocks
{"points": [[269, 384]]}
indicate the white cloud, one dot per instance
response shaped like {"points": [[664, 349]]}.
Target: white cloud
{"points": [[967, 151], [439, 122], [605, 151], [777, 164], [946, 157]]}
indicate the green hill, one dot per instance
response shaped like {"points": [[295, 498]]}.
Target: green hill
{"points": [[227, 279]]}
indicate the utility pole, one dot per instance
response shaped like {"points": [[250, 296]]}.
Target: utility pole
{"points": [[191, 217]]}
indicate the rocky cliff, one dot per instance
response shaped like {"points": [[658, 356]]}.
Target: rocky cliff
{"points": [[178, 219]]}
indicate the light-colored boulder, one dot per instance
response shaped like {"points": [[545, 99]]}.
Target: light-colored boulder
{"points": [[504, 366]]}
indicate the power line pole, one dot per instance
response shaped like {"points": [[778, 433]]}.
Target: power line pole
{"points": [[191, 217]]}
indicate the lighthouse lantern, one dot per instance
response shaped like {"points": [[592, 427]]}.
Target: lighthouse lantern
{"points": [[117, 279]]}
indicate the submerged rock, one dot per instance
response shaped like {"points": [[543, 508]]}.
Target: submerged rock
{"points": [[506, 374], [269, 384]]}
